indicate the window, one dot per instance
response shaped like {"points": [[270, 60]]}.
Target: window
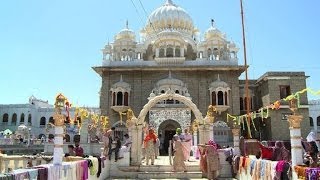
{"points": [[311, 121], [119, 98], [161, 52], [177, 52], [5, 118], [42, 121], [29, 119], [241, 103], [126, 95], [169, 52], [214, 98], [51, 120], [284, 91], [318, 121], [14, 119], [67, 137], [220, 98], [22, 118]]}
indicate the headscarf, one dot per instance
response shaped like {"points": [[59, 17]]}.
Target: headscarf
{"points": [[176, 137], [212, 144], [151, 136], [311, 137]]}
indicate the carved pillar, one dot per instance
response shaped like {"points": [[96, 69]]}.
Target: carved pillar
{"points": [[157, 52], [84, 131], [58, 141], [195, 138], [135, 132], [236, 139], [205, 133], [295, 139], [182, 52]]}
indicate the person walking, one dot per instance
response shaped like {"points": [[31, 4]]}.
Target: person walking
{"points": [[178, 159], [149, 144]]}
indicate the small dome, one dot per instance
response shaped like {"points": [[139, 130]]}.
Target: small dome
{"points": [[212, 31], [169, 81], [126, 33], [218, 84], [170, 15], [120, 85]]}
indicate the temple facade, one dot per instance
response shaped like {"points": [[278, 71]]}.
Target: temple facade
{"points": [[170, 55]]}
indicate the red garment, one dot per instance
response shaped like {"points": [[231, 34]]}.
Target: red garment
{"points": [[79, 151], [150, 136], [266, 152]]}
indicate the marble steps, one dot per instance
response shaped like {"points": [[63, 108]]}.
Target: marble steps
{"points": [[156, 168], [169, 174]]}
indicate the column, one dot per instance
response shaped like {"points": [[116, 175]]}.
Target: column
{"points": [[135, 133], [182, 52], [157, 52], [58, 145], [205, 133], [236, 139], [165, 52], [195, 138], [295, 139], [174, 52]]}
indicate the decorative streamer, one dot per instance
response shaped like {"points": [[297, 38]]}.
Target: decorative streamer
{"points": [[274, 106]]}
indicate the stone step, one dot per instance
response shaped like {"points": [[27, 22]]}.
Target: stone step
{"points": [[155, 168], [168, 174]]}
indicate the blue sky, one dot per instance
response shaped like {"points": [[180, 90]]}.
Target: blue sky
{"points": [[48, 47]]}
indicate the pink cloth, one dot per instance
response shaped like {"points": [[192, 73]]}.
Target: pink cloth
{"points": [[280, 165], [187, 146]]}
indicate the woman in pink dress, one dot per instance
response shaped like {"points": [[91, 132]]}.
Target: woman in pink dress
{"points": [[187, 144], [178, 159]]}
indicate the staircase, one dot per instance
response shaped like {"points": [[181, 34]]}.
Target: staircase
{"points": [[159, 172]]}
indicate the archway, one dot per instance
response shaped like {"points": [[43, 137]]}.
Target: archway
{"points": [[167, 130], [170, 94]]}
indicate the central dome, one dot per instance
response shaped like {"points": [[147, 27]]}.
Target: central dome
{"points": [[169, 16]]}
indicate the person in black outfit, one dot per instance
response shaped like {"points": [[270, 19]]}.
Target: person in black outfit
{"points": [[115, 146]]}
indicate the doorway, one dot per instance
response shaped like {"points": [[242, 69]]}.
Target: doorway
{"points": [[166, 131]]}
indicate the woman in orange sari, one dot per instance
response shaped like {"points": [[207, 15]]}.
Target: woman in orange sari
{"points": [[149, 145]]}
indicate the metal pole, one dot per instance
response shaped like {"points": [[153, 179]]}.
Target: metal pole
{"points": [[246, 73]]}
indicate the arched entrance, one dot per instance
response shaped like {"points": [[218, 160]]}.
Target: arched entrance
{"points": [[167, 130], [170, 94]]}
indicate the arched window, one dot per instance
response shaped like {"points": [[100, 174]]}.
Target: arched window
{"points": [[311, 121], [14, 119], [42, 121], [126, 99], [5, 118], [51, 120], [161, 52], [220, 98], [51, 136], [318, 121], [225, 98], [177, 52], [119, 98], [209, 54], [29, 119], [213, 98], [241, 103], [200, 54], [22, 118], [67, 137], [169, 52]]}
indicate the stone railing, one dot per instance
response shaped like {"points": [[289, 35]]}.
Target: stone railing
{"points": [[169, 60], [12, 162]]}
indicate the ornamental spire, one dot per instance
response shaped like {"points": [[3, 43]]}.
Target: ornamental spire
{"points": [[169, 2], [127, 24]]}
